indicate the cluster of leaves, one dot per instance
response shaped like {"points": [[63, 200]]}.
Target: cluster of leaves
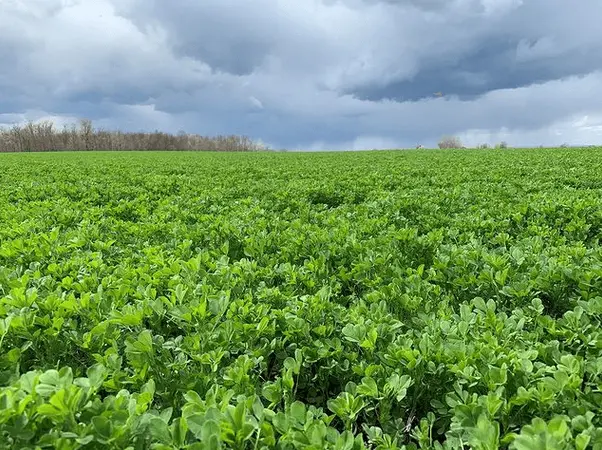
{"points": [[381, 300]]}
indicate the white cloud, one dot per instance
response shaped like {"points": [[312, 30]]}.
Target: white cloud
{"points": [[572, 131], [20, 119]]}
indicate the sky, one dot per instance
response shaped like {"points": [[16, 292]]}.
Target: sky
{"points": [[311, 74]]}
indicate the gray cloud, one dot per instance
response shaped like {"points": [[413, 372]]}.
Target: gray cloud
{"points": [[496, 65], [321, 73], [218, 33], [528, 42]]}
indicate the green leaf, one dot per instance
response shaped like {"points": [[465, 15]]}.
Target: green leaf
{"points": [[368, 387], [210, 435], [298, 411], [160, 430], [102, 427], [194, 423], [354, 333]]}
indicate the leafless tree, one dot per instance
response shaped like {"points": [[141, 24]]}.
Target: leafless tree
{"points": [[450, 142], [43, 136]]}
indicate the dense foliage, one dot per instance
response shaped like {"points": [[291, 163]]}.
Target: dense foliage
{"points": [[379, 300]]}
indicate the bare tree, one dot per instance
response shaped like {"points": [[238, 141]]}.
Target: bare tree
{"points": [[42, 136], [86, 131], [450, 142]]}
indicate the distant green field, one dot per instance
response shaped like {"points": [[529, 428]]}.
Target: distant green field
{"points": [[366, 300]]}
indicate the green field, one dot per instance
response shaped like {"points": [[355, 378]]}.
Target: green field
{"points": [[426, 299]]}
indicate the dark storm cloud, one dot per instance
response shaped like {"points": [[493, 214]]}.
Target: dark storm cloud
{"points": [[491, 67], [533, 42], [239, 58], [218, 33]]}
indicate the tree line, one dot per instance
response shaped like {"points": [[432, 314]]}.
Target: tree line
{"points": [[455, 142], [44, 136]]}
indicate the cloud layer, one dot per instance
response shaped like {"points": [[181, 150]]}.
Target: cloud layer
{"points": [[333, 74]]}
